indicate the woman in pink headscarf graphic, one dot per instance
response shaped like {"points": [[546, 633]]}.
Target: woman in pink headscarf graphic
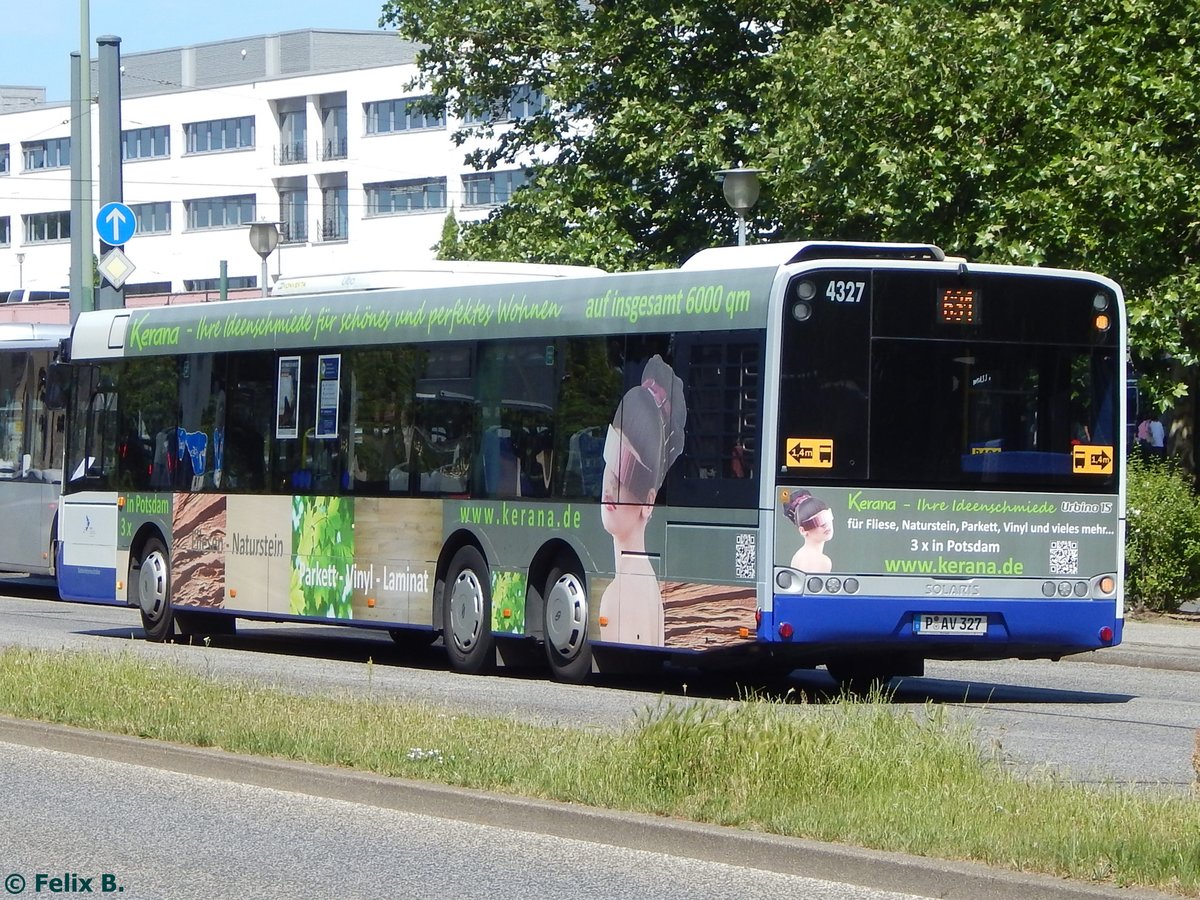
{"points": [[814, 520]]}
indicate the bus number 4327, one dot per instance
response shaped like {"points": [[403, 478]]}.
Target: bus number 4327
{"points": [[845, 291]]}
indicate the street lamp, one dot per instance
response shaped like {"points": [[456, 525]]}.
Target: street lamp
{"points": [[740, 187], [20, 270], [264, 238]]}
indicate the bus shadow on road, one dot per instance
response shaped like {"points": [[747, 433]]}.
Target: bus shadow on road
{"points": [[812, 686], [816, 686], [935, 690]]}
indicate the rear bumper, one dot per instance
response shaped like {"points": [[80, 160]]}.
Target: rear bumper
{"points": [[1031, 629]]}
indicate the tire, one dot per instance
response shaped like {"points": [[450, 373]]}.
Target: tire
{"points": [[565, 624], [412, 640], [467, 613], [204, 625], [150, 581], [862, 678]]}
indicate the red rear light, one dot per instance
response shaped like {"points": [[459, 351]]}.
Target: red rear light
{"points": [[786, 630], [758, 617], [1106, 634]]}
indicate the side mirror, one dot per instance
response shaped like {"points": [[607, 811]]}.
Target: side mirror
{"points": [[58, 385]]}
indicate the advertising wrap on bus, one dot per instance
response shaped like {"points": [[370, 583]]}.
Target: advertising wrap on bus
{"points": [[874, 534], [861, 456], [345, 559], [681, 301]]}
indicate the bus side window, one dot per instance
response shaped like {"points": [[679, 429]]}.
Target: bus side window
{"points": [[723, 385]]}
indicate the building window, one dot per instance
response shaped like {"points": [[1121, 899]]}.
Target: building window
{"points": [[492, 188], [146, 143], [525, 102], [407, 114], [219, 134], [293, 137], [389, 198], [333, 133], [54, 153], [146, 288], [3, 159], [522, 103], [152, 218], [335, 224], [293, 213], [5, 231], [42, 227], [234, 283], [219, 212]]}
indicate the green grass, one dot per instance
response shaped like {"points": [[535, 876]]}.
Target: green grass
{"points": [[858, 773]]}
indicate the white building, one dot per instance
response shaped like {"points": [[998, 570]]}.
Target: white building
{"points": [[317, 130]]}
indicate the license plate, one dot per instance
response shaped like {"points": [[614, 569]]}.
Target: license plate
{"points": [[940, 623]]}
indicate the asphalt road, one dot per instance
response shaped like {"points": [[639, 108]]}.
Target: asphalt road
{"points": [[149, 833], [1089, 720], [1122, 723]]}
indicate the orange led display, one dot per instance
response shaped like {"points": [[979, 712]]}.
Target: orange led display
{"points": [[958, 306]]}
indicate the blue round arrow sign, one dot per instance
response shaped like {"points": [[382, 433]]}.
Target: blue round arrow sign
{"points": [[115, 223]]}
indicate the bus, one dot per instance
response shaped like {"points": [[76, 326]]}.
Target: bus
{"points": [[850, 455], [36, 295], [31, 448], [431, 273]]}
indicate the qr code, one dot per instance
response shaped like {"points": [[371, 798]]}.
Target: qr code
{"points": [[745, 559], [1064, 557]]}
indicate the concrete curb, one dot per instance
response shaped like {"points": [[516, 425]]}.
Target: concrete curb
{"points": [[790, 856], [1144, 656]]}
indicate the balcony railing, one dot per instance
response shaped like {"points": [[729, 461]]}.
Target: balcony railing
{"points": [[290, 154], [332, 148], [334, 230], [293, 232]]}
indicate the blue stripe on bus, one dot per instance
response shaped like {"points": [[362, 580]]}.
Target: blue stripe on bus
{"points": [[1066, 625], [87, 583]]}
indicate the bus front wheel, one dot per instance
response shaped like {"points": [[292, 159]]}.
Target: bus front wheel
{"points": [[467, 613], [565, 626], [150, 579]]}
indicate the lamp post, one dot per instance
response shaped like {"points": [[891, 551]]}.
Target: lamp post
{"points": [[264, 238], [740, 187], [20, 270]]}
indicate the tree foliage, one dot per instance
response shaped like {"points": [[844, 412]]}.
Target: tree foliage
{"points": [[649, 98], [1023, 131], [1054, 134]]}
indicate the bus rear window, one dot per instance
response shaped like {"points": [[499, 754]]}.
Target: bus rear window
{"points": [[939, 379]]}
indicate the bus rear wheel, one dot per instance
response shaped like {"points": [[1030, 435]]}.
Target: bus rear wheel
{"points": [[565, 626], [467, 613], [862, 678], [150, 580]]}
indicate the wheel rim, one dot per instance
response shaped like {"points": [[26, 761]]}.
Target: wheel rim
{"points": [[566, 616], [466, 610], [152, 586]]}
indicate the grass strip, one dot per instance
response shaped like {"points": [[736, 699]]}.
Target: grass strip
{"points": [[854, 772]]}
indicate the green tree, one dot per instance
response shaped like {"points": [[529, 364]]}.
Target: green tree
{"points": [[450, 245], [647, 100], [1023, 131]]}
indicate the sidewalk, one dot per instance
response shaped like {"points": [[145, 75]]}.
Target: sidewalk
{"points": [[1165, 643]]}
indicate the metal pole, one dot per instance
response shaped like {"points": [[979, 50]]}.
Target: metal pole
{"points": [[741, 230], [88, 285], [264, 277], [82, 286], [111, 183]]}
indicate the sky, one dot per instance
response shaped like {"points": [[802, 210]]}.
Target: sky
{"points": [[36, 44]]}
